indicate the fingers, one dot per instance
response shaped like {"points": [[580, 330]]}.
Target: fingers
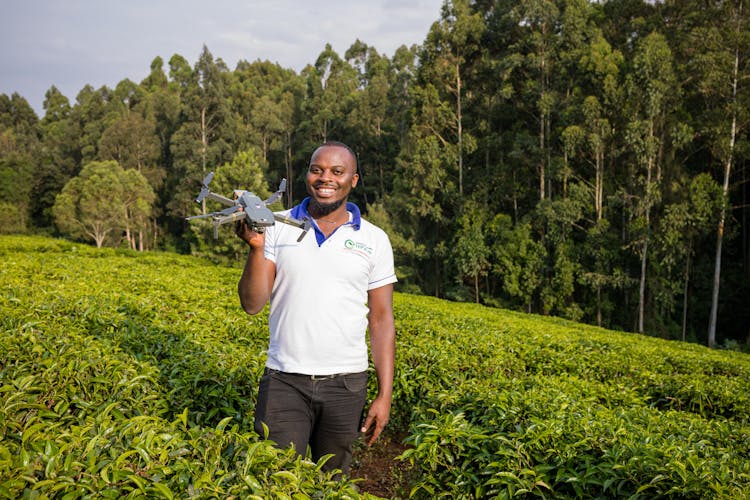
{"points": [[372, 428], [248, 235]]}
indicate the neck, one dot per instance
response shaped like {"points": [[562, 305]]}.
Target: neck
{"points": [[334, 218]]}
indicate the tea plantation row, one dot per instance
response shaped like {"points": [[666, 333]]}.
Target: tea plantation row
{"points": [[126, 374]]}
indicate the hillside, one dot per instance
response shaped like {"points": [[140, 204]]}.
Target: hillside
{"points": [[135, 374]]}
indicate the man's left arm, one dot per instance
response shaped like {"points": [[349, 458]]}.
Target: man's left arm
{"points": [[383, 346]]}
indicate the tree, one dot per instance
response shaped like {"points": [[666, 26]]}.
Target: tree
{"points": [[451, 45], [59, 159], [539, 46], [721, 66], [207, 129], [92, 205], [652, 86], [683, 225], [138, 197], [131, 141], [470, 251], [518, 259], [331, 86]]}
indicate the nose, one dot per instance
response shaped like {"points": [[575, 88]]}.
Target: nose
{"points": [[325, 175]]}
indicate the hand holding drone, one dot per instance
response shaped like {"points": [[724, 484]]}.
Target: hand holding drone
{"points": [[247, 206]]}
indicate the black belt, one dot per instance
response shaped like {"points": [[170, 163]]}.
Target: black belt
{"points": [[311, 377]]}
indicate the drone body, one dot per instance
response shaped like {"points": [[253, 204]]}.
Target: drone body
{"points": [[247, 206]]}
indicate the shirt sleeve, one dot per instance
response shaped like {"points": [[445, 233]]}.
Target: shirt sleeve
{"points": [[269, 248], [382, 272]]}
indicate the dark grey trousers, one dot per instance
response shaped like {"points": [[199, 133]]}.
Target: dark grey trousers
{"points": [[323, 413]]}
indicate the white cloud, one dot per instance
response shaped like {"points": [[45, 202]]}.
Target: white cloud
{"points": [[101, 42]]}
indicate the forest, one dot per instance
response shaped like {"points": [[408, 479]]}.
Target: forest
{"points": [[579, 159]]}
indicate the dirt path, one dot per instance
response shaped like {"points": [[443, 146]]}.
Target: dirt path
{"points": [[378, 470]]}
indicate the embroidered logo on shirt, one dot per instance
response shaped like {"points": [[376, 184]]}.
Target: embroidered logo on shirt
{"points": [[358, 247]]}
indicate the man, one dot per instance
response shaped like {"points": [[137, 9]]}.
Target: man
{"points": [[325, 291]]}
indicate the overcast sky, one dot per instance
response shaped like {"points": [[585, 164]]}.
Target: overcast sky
{"points": [[71, 43]]}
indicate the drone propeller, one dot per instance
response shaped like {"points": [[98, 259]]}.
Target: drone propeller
{"points": [[277, 195], [204, 187]]}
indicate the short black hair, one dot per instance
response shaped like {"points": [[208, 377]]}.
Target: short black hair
{"points": [[351, 151]]}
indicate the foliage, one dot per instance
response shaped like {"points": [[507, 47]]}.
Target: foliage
{"points": [[127, 376], [589, 125], [101, 200], [130, 374]]}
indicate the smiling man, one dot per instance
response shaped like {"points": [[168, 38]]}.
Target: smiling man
{"points": [[325, 292]]}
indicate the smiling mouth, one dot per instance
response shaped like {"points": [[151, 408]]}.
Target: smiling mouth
{"points": [[325, 191]]}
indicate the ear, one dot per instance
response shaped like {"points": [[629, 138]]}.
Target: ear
{"points": [[355, 179]]}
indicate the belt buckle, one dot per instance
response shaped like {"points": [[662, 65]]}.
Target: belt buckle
{"points": [[321, 377]]}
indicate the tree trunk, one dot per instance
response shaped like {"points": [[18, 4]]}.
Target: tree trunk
{"points": [[722, 216], [289, 172], [642, 287], [460, 133], [599, 183], [644, 256], [685, 292], [204, 151]]}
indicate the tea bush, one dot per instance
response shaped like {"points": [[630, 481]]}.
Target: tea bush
{"points": [[130, 375], [134, 375]]}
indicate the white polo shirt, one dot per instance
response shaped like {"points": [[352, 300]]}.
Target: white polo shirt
{"points": [[318, 314]]}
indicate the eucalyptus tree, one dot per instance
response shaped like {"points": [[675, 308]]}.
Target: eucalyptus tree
{"points": [[451, 46], [156, 79], [517, 259], [132, 142], [373, 128], [266, 97], [685, 223], [207, 131], [138, 198], [719, 63], [19, 151], [402, 75], [332, 84], [593, 68], [470, 251], [90, 113], [59, 158], [652, 90], [538, 44], [161, 103], [424, 195]]}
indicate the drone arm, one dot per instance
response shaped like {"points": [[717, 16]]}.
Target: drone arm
{"points": [[220, 199], [289, 220], [305, 224], [231, 218]]}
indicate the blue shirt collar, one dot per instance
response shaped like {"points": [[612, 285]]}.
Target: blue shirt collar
{"points": [[299, 212]]}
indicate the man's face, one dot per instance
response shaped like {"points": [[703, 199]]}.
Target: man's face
{"points": [[331, 176]]}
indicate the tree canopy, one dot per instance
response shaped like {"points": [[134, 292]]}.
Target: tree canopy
{"points": [[564, 157]]}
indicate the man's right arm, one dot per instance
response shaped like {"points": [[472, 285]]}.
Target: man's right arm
{"points": [[256, 282]]}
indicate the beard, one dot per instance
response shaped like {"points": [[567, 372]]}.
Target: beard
{"points": [[322, 209]]}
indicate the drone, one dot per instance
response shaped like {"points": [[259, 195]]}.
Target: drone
{"points": [[247, 205]]}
